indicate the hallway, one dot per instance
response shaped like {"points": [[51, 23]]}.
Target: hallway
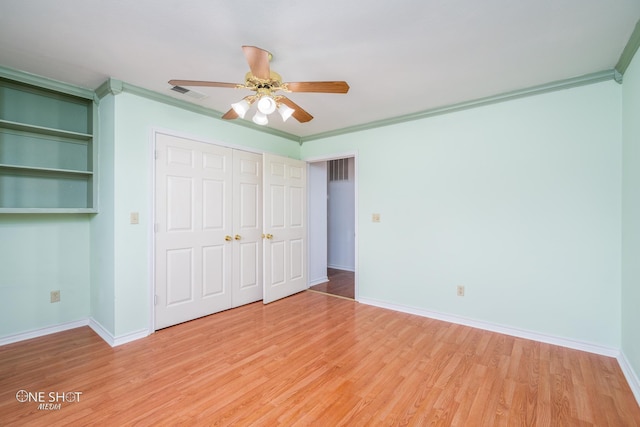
{"points": [[341, 283]]}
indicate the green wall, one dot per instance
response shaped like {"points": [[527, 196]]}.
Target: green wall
{"points": [[40, 253], [102, 225], [518, 201], [631, 214]]}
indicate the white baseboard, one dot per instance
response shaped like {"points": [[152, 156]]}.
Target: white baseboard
{"points": [[318, 281], [488, 326], [630, 375], [342, 267], [40, 332], [101, 331], [97, 328], [119, 340]]}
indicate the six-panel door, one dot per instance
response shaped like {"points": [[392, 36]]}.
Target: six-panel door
{"points": [[193, 221], [285, 250]]}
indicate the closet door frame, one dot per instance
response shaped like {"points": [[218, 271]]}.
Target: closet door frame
{"points": [[152, 203]]}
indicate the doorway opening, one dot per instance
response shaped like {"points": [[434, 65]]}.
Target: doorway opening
{"points": [[340, 283], [332, 237]]}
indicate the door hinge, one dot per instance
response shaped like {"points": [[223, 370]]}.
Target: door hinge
{"points": [[155, 300], [155, 154], [156, 227]]}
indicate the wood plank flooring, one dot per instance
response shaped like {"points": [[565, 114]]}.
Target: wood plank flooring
{"points": [[341, 283], [312, 359]]}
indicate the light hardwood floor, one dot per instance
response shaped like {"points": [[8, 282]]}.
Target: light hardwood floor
{"points": [[313, 359]]}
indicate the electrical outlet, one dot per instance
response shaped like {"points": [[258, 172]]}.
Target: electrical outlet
{"points": [[134, 218], [55, 296], [460, 291]]}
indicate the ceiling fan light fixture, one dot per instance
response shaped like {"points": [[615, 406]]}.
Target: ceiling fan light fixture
{"points": [[266, 105], [241, 108], [260, 119], [285, 111], [266, 84]]}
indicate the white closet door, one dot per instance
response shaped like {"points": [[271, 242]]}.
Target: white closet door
{"points": [[193, 218], [285, 228], [247, 229]]}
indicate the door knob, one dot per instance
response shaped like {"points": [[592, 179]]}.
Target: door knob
{"points": [[269, 236], [237, 237], [227, 238]]}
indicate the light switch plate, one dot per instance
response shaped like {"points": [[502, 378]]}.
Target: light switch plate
{"points": [[375, 217], [55, 296], [134, 218]]}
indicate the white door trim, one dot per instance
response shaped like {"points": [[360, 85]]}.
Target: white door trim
{"points": [[342, 155], [151, 229]]}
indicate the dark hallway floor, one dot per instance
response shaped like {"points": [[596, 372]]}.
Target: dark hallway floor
{"points": [[341, 283]]}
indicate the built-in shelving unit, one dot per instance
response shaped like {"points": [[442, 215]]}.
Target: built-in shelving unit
{"points": [[46, 150]]}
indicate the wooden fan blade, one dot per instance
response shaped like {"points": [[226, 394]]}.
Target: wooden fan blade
{"points": [[202, 83], [258, 60], [322, 87], [300, 115], [230, 115]]}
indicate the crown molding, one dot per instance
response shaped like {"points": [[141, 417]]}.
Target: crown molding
{"points": [[109, 87], [629, 51], [535, 90], [46, 83], [115, 87]]}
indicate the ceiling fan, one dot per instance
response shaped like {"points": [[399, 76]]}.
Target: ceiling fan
{"points": [[266, 83]]}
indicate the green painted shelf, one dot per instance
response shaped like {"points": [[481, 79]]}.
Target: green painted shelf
{"points": [[47, 150], [6, 124]]}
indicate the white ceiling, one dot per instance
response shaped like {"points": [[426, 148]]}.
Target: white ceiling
{"points": [[399, 57]]}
